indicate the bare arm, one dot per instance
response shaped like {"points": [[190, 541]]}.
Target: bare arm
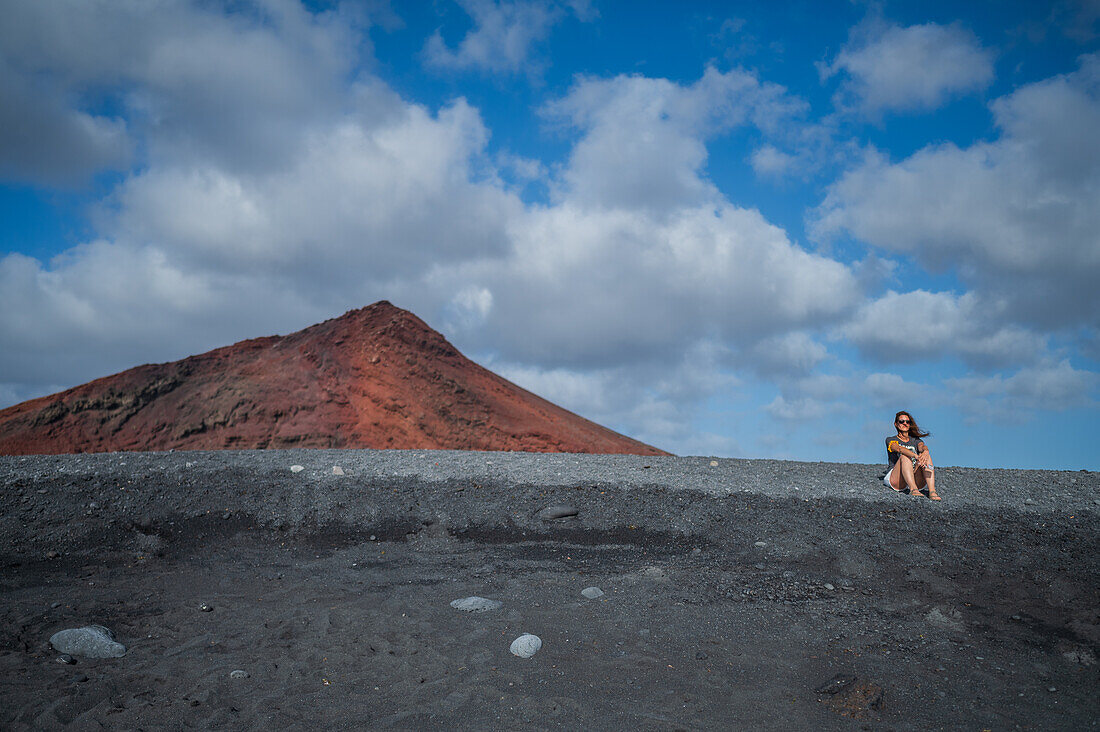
{"points": [[923, 456]]}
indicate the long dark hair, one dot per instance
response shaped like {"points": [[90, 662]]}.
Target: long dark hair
{"points": [[914, 430]]}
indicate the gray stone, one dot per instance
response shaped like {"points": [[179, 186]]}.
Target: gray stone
{"points": [[92, 641], [296, 468], [592, 592], [526, 645], [337, 470], [760, 544], [476, 604], [239, 674], [553, 513], [66, 658]]}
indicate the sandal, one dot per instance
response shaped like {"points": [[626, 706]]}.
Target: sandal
{"points": [[914, 492], [933, 496]]}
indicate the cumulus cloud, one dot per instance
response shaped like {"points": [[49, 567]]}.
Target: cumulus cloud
{"points": [[643, 141], [890, 68], [1016, 216], [503, 35], [44, 141], [926, 326], [1049, 386], [194, 82]]}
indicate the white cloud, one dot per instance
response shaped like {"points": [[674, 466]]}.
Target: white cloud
{"points": [[926, 326], [794, 353], [887, 67], [1047, 386], [502, 38], [235, 88], [767, 160], [643, 141], [1017, 216]]}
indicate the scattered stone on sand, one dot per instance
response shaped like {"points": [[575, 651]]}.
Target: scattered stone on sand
{"points": [[80, 679], [700, 656], [526, 645], [592, 592], [92, 641], [829, 587], [1081, 656], [239, 674], [474, 604], [66, 658], [51, 554], [851, 696], [714, 463], [760, 544], [760, 566], [836, 684], [296, 468], [553, 513], [206, 607], [337, 470]]}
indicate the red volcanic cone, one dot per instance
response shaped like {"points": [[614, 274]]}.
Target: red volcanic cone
{"points": [[375, 378]]}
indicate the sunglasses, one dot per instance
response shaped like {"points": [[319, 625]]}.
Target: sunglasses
{"points": [[903, 421]]}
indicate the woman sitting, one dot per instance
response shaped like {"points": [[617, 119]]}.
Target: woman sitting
{"points": [[910, 462]]}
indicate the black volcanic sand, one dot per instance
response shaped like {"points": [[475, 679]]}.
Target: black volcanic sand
{"points": [[333, 592]]}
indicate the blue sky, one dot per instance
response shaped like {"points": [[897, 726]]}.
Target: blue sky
{"points": [[739, 229]]}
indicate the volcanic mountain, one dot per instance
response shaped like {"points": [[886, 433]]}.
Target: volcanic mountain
{"points": [[377, 377]]}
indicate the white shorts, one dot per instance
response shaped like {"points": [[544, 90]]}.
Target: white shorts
{"points": [[886, 478]]}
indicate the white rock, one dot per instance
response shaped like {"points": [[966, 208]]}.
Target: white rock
{"points": [[526, 645], [714, 463], [296, 468], [239, 674], [760, 544], [476, 604], [93, 641], [592, 592], [337, 470]]}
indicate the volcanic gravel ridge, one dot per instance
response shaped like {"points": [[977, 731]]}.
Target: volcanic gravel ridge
{"points": [[377, 377], [305, 588]]}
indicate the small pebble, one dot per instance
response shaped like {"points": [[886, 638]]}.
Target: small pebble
{"points": [[714, 463], [80, 679], [526, 645], [1052, 689], [296, 468], [700, 656], [758, 565], [66, 658], [206, 608], [239, 674], [51, 554], [592, 592], [337, 470], [760, 544], [829, 586]]}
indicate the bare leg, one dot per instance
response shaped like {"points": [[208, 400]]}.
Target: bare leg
{"points": [[907, 475], [930, 478]]}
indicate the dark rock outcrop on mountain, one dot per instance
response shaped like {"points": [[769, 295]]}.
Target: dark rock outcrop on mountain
{"points": [[377, 377]]}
